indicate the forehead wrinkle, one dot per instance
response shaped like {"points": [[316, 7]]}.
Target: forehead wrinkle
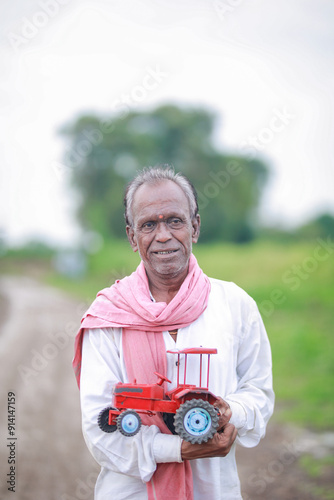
{"points": [[154, 215], [174, 190], [150, 209]]}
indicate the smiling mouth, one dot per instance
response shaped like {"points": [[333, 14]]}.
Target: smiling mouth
{"points": [[165, 252]]}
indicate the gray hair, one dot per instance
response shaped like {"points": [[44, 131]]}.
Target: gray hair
{"points": [[154, 175]]}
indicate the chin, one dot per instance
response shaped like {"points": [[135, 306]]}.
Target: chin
{"points": [[167, 269], [171, 269]]}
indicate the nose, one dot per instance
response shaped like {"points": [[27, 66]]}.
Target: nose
{"points": [[163, 232]]}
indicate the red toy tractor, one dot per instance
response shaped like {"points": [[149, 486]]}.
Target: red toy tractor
{"points": [[195, 420]]}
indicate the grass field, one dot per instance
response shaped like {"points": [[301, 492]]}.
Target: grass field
{"points": [[293, 286], [294, 290]]}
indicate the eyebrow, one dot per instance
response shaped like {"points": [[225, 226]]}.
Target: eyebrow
{"points": [[157, 218]]}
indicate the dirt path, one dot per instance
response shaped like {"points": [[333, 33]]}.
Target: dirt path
{"points": [[36, 346], [52, 462]]}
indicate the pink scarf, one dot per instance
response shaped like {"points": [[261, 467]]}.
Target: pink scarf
{"points": [[127, 304]]}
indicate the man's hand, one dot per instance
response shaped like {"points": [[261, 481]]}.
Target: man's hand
{"points": [[225, 413], [218, 446]]}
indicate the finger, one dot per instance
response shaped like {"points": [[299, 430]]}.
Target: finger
{"points": [[229, 429], [222, 405], [224, 418], [228, 412], [227, 438], [231, 432]]}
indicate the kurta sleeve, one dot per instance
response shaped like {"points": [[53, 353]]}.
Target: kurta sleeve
{"points": [[253, 402], [136, 456]]}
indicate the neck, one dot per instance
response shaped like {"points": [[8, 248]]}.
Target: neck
{"points": [[164, 288]]}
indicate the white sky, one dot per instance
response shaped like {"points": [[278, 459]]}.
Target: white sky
{"points": [[247, 60]]}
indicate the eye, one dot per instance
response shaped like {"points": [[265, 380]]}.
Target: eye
{"points": [[148, 226], [175, 223]]}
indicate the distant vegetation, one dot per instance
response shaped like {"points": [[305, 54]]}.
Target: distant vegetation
{"points": [[321, 226], [104, 153]]}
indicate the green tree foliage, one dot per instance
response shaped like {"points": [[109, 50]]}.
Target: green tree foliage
{"points": [[321, 226], [104, 154]]}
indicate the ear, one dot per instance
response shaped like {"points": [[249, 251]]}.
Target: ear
{"points": [[196, 224], [132, 238]]}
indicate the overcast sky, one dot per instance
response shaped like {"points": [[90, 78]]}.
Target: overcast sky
{"points": [[265, 67]]}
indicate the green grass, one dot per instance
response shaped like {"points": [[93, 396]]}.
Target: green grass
{"points": [[320, 471], [295, 294], [113, 261], [294, 290], [317, 467]]}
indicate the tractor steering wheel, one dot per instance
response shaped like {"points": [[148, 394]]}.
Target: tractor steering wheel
{"points": [[162, 378]]}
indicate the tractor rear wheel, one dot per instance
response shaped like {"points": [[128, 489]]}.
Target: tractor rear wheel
{"points": [[196, 421], [103, 420], [128, 422]]}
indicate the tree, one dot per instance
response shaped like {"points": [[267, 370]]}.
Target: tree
{"points": [[320, 227], [105, 153]]}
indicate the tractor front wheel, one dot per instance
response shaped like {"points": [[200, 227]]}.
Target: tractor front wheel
{"points": [[128, 422], [196, 421]]}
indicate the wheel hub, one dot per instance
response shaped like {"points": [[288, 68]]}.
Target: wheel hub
{"points": [[130, 423], [197, 421]]}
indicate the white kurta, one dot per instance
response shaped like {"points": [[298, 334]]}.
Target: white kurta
{"points": [[240, 373]]}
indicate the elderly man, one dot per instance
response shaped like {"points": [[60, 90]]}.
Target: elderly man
{"points": [[168, 302]]}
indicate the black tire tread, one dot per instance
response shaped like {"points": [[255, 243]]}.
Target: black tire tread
{"points": [[103, 418]]}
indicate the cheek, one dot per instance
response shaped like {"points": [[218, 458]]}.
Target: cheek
{"points": [[186, 240], [143, 244]]}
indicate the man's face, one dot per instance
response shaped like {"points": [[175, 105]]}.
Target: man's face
{"points": [[163, 231]]}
